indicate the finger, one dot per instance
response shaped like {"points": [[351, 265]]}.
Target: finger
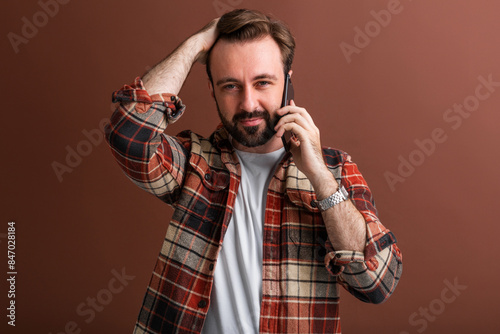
{"points": [[299, 133], [294, 144], [293, 109], [298, 119]]}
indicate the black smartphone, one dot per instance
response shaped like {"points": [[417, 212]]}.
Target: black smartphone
{"points": [[287, 97]]}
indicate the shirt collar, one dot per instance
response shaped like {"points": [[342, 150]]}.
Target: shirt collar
{"points": [[293, 183]]}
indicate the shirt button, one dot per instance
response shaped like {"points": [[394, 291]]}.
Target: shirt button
{"points": [[313, 203], [211, 267], [208, 177], [202, 303]]}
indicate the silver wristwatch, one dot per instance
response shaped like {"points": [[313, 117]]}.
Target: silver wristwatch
{"points": [[338, 197]]}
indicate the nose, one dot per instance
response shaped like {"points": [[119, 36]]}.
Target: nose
{"points": [[249, 100]]}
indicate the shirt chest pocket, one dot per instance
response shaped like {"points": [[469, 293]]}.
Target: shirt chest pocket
{"points": [[305, 253], [306, 244], [211, 178], [305, 235]]}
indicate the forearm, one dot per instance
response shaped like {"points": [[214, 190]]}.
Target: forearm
{"points": [[169, 75], [372, 272], [345, 225], [135, 133]]}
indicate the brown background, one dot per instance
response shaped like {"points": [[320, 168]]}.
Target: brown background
{"points": [[72, 234]]}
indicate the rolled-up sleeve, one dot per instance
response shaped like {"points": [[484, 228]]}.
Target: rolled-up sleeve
{"points": [[151, 159], [372, 275]]}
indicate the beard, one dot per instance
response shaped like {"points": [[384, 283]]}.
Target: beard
{"points": [[250, 136]]}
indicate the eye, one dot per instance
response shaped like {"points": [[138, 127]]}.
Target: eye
{"points": [[230, 87], [263, 83]]}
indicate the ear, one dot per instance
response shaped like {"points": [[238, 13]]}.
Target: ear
{"points": [[290, 73], [211, 87]]}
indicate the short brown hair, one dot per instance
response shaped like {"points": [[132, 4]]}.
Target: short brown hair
{"points": [[245, 25]]}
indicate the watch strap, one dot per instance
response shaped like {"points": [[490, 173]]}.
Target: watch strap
{"points": [[338, 197]]}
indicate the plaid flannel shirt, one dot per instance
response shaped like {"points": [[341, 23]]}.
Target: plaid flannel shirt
{"points": [[199, 178]]}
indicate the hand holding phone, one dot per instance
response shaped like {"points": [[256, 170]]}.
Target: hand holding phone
{"points": [[288, 95]]}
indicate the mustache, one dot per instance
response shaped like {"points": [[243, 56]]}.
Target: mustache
{"points": [[254, 114]]}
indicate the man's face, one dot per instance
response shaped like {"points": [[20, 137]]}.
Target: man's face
{"points": [[248, 82]]}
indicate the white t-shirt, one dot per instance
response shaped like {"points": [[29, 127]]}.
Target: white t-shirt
{"points": [[237, 291]]}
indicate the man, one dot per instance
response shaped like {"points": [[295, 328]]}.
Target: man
{"points": [[260, 238]]}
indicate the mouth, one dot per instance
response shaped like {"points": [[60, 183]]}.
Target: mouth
{"points": [[249, 122]]}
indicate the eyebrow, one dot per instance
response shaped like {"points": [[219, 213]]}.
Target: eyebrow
{"points": [[258, 77]]}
